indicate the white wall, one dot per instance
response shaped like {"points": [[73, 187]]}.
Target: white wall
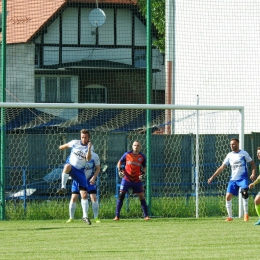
{"points": [[20, 73], [218, 55]]}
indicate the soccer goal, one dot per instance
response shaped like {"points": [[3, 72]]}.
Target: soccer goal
{"points": [[184, 145]]}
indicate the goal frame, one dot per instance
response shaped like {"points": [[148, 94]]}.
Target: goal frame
{"points": [[146, 107]]}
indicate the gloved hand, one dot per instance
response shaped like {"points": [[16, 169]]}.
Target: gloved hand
{"points": [[142, 176], [121, 173]]}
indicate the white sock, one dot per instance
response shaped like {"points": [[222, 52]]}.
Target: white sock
{"points": [[72, 209], [64, 179], [84, 205], [245, 204], [95, 208], [229, 208]]}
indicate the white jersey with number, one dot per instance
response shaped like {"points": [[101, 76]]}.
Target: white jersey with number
{"points": [[91, 165], [238, 163], [78, 153]]}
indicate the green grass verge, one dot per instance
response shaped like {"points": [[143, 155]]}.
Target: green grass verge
{"points": [[128, 239], [167, 207]]}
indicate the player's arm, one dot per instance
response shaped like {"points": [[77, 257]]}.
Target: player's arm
{"points": [[216, 173], [89, 155], [253, 167], [97, 171], [64, 146], [252, 185]]}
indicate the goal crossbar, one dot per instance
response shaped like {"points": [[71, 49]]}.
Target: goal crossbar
{"points": [[118, 106]]}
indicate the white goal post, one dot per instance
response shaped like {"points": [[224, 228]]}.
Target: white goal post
{"points": [[148, 107]]}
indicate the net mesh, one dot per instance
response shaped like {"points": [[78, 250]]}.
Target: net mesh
{"points": [[96, 51], [34, 162]]}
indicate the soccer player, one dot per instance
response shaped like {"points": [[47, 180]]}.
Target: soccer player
{"points": [[75, 163], [257, 198], [238, 160], [92, 169], [132, 176], [75, 166]]}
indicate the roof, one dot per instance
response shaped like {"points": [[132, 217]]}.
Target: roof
{"points": [[26, 17], [81, 66]]}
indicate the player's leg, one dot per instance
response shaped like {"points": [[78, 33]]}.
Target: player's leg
{"points": [[257, 208], [72, 205], [95, 204], [232, 189], [244, 192], [78, 175], [64, 179], [139, 190], [84, 205], [229, 206], [124, 187]]}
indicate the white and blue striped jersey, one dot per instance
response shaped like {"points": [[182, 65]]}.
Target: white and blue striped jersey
{"points": [[90, 165], [78, 153], [238, 163]]}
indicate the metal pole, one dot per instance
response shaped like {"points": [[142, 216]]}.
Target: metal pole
{"points": [[117, 106], [197, 163], [3, 99], [241, 146], [148, 101], [169, 63], [24, 190]]}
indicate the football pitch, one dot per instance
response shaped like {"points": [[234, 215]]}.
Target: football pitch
{"points": [[130, 239]]}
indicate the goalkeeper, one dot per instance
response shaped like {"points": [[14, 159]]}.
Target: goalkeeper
{"points": [[132, 176], [257, 198]]}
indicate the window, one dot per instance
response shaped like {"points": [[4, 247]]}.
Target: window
{"points": [[65, 90], [38, 94], [53, 89], [37, 56], [95, 94], [140, 58]]}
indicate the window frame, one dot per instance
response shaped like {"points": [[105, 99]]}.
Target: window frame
{"points": [[43, 96], [97, 86]]}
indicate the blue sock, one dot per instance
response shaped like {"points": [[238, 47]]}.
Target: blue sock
{"points": [[119, 205], [144, 207]]}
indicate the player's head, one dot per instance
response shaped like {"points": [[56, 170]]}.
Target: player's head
{"points": [[136, 146], [234, 144], [84, 136], [258, 153]]}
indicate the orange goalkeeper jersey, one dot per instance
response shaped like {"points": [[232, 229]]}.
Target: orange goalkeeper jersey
{"points": [[133, 165]]}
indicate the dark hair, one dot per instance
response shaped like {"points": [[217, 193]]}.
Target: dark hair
{"points": [[258, 148], [85, 131], [234, 139]]}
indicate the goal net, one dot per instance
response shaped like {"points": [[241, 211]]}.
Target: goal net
{"points": [[183, 153]]}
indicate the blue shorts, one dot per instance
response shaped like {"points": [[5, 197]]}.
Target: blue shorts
{"points": [[136, 186], [233, 186], [79, 177], [91, 189]]}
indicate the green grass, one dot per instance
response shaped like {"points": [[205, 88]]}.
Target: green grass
{"points": [[164, 207], [130, 239]]}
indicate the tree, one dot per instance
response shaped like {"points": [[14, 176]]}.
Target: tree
{"points": [[158, 20]]}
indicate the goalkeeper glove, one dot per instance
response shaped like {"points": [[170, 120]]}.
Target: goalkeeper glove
{"points": [[142, 176], [121, 173]]}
